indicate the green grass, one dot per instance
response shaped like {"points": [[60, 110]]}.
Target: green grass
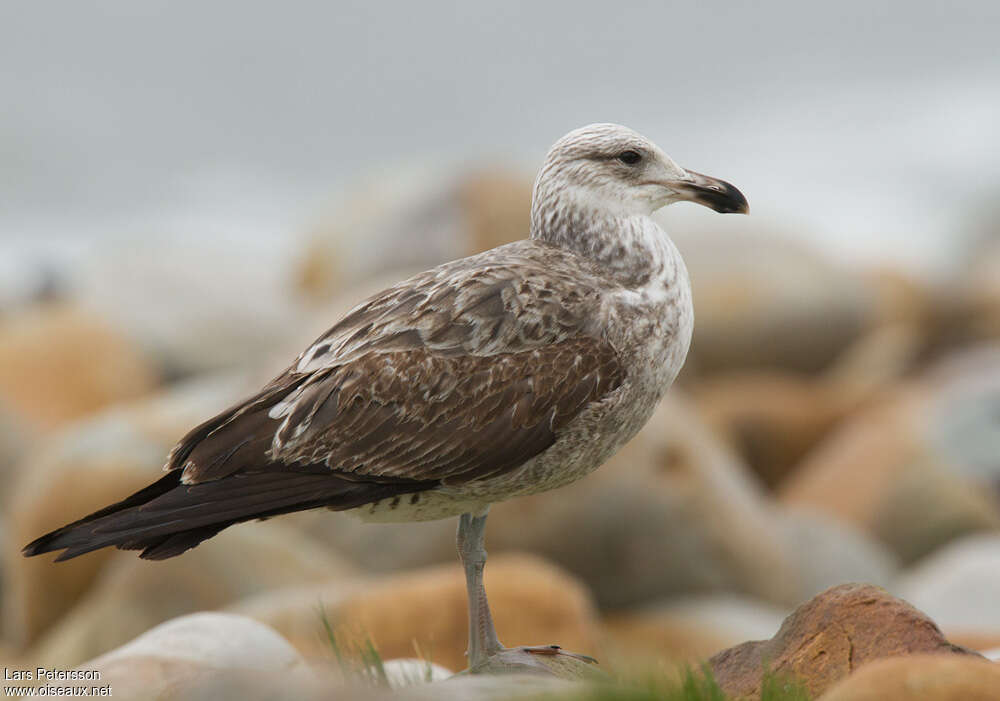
{"points": [[358, 658]]}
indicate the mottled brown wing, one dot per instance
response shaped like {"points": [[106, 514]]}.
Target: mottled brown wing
{"points": [[458, 373], [412, 415]]}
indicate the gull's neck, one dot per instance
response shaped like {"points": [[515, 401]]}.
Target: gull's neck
{"points": [[629, 248]]}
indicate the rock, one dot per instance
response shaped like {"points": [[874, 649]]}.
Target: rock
{"points": [[967, 309], [762, 301], [15, 439], [829, 637], [177, 657], [957, 585], [913, 469], [774, 419], [132, 595], [196, 307], [533, 603], [920, 678], [771, 419], [413, 219], [409, 671], [58, 363], [983, 643], [83, 468], [827, 551], [687, 630]]}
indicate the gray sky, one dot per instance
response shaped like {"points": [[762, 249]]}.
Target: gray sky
{"points": [[869, 129]]}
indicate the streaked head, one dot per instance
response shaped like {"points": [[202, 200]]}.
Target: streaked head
{"points": [[611, 167]]}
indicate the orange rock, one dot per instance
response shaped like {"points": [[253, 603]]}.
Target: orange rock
{"points": [[975, 639], [533, 603], [830, 636], [771, 419], [58, 363], [645, 640], [78, 470], [881, 472], [497, 206], [920, 678]]}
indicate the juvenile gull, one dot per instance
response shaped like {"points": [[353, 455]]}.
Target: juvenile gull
{"points": [[510, 372]]}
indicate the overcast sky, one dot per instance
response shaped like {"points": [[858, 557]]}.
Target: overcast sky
{"points": [[870, 129]]}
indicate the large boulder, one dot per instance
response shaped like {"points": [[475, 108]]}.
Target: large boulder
{"points": [[533, 603], [413, 219], [195, 307], [958, 586], [775, 418], [59, 363], [687, 630], [920, 678], [132, 595], [766, 301], [826, 551], [919, 468], [180, 658], [827, 638], [772, 419], [83, 468]]}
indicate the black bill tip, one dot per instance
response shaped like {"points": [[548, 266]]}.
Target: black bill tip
{"points": [[715, 194], [723, 198]]}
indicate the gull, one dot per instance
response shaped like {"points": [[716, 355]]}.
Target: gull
{"points": [[511, 372]]}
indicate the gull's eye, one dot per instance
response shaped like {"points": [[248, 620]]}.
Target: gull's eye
{"points": [[629, 157]]}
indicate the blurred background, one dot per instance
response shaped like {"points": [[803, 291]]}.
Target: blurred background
{"points": [[189, 193]]}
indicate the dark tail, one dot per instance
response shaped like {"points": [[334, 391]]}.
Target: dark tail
{"points": [[168, 517]]}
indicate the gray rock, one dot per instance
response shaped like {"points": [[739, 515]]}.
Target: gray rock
{"points": [[829, 552], [766, 301], [917, 468], [731, 616], [190, 652], [194, 308], [412, 218], [958, 585], [78, 470], [132, 595]]}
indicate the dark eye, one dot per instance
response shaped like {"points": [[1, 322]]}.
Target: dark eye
{"points": [[629, 157]]}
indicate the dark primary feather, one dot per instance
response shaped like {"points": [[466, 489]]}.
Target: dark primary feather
{"points": [[168, 517], [460, 374]]}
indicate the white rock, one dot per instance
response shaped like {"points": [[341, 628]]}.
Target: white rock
{"points": [[828, 552], [191, 650], [210, 639], [958, 586], [733, 616], [408, 671]]}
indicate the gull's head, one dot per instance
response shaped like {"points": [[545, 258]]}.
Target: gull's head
{"points": [[608, 167]]}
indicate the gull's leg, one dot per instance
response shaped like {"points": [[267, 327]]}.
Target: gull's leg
{"points": [[485, 652], [483, 640]]}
